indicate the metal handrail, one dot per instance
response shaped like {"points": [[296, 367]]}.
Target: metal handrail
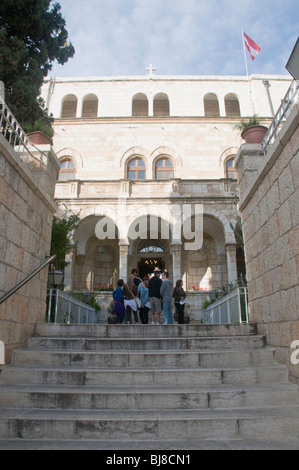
{"points": [[287, 104], [76, 310], [27, 279], [225, 300]]}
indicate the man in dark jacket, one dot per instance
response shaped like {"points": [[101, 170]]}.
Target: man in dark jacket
{"points": [[155, 297]]}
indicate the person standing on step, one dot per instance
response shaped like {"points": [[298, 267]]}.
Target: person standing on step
{"points": [[165, 292], [155, 297], [145, 303], [118, 297], [179, 300], [130, 305]]}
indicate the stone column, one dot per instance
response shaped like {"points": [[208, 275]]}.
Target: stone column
{"points": [[79, 108], [68, 278], [176, 261], [232, 275], [123, 259], [151, 105]]}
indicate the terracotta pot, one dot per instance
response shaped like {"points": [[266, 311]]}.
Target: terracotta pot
{"points": [[39, 138], [254, 134]]}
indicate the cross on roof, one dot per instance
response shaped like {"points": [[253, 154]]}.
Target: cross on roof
{"points": [[151, 69]]}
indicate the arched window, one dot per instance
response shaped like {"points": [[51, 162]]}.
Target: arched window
{"points": [[69, 106], [232, 107], [230, 171], [136, 169], [140, 105], [164, 169], [150, 246], [211, 105], [67, 169], [161, 105], [90, 106]]}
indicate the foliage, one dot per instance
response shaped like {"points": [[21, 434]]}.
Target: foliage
{"points": [[29, 44], [251, 121], [89, 299], [206, 304], [39, 125], [61, 244]]}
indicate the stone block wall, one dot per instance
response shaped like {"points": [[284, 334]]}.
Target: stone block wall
{"points": [[269, 203], [26, 213]]}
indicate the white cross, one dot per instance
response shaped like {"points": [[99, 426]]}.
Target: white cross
{"points": [[151, 69]]}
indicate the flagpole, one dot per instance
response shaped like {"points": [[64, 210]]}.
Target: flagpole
{"points": [[248, 78]]}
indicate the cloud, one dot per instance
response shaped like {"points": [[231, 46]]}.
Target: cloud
{"points": [[122, 37]]}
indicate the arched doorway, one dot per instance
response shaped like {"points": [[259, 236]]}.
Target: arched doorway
{"points": [[151, 256], [146, 252]]}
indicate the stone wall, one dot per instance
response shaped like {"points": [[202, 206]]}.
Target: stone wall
{"points": [[269, 195], [26, 213]]}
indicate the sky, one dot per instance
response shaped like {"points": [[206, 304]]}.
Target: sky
{"points": [[179, 37]]}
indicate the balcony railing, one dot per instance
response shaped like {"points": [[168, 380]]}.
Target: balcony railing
{"points": [[63, 308], [16, 136], [291, 98], [232, 308]]}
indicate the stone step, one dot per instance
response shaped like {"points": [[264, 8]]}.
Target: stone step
{"points": [[101, 385], [144, 331], [147, 448], [149, 398], [262, 423], [171, 358], [145, 344], [144, 376]]}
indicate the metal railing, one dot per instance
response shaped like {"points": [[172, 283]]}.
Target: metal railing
{"points": [[232, 308], [287, 104], [63, 308], [16, 136], [27, 279]]}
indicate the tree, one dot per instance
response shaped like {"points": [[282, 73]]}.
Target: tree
{"points": [[32, 37], [61, 243]]}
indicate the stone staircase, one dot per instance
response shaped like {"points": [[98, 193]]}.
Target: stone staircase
{"points": [[147, 387]]}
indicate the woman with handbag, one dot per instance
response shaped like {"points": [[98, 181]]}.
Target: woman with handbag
{"points": [[130, 305]]}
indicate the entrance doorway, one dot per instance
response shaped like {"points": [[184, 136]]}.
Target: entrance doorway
{"points": [[147, 265]]}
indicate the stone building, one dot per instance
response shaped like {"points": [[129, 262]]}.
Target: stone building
{"points": [[148, 162], [269, 191]]}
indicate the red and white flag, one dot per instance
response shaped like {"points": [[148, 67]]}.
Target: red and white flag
{"points": [[252, 47]]}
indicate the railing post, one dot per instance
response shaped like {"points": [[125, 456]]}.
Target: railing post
{"points": [[239, 305], [246, 306], [69, 315], [50, 305], [56, 305]]}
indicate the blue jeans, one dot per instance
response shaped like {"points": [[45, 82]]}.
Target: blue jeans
{"points": [[167, 312]]}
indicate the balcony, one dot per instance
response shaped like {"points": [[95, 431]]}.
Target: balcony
{"points": [[174, 188]]}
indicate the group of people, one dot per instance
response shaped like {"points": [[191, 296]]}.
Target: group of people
{"points": [[148, 295]]}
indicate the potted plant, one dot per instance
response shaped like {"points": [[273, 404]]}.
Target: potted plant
{"points": [[251, 130], [39, 138], [40, 132]]}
